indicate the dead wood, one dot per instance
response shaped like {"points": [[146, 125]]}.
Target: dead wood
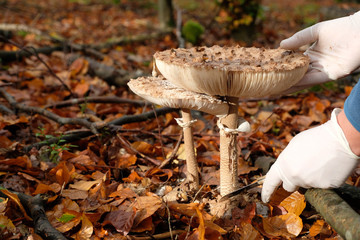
{"points": [[34, 206], [113, 76], [336, 212]]}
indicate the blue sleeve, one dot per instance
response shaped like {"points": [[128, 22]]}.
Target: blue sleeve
{"points": [[352, 107]]}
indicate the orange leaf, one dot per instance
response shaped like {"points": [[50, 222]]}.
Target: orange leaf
{"points": [[81, 88], [79, 66], [146, 206], [143, 147], [62, 172], [123, 193], [126, 160], [42, 188], [85, 185], [248, 232], [316, 227], [288, 225], [295, 203], [348, 90], [133, 178], [21, 161], [16, 199]]}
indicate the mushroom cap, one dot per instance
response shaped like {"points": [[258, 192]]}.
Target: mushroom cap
{"points": [[232, 71], [162, 92]]}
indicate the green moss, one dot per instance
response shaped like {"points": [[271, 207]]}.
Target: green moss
{"points": [[192, 31]]}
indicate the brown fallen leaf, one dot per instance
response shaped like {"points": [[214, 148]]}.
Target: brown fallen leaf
{"points": [[146, 206], [121, 219], [288, 225]]}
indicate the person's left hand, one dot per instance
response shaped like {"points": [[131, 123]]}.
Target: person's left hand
{"points": [[319, 157]]}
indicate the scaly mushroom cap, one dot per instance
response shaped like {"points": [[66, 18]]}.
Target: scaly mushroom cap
{"points": [[232, 71], [162, 92]]}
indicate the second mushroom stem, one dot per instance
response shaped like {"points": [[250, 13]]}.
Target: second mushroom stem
{"points": [[191, 163], [228, 149]]}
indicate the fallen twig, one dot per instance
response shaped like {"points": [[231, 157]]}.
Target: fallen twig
{"points": [[113, 124], [61, 120], [113, 76], [166, 235], [173, 153], [128, 146], [105, 99]]}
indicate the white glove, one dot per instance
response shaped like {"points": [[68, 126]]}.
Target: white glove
{"points": [[319, 157], [335, 53]]}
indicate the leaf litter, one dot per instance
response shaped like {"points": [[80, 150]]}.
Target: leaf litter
{"points": [[105, 187]]}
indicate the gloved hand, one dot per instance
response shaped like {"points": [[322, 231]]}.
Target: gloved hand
{"points": [[319, 157], [335, 53]]}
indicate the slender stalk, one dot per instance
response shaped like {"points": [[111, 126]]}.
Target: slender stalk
{"points": [[191, 163], [228, 150]]}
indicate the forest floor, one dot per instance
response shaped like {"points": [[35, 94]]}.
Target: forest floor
{"points": [[77, 143]]}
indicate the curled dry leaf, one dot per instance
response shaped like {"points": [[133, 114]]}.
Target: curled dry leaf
{"points": [[16, 199]]}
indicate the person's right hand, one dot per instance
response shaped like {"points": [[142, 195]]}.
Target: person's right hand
{"points": [[335, 52]]}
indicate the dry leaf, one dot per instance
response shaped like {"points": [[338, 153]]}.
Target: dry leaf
{"points": [[146, 206], [121, 220], [248, 232], [86, 229], [85, 185], [133, 178], [316, 227], [295, 203], [288, 225], [16, 199]]}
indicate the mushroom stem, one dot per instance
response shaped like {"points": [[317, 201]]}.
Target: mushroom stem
{"points": [[228, 150], [191, 163]]}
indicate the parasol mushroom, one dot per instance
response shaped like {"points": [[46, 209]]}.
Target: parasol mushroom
{"points": [[231, 72], [162, 92]]}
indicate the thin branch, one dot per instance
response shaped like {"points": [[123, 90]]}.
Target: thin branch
{"points": [[173, 153], [61, 120], [105, 99], [113, 124], [129, 147]]}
